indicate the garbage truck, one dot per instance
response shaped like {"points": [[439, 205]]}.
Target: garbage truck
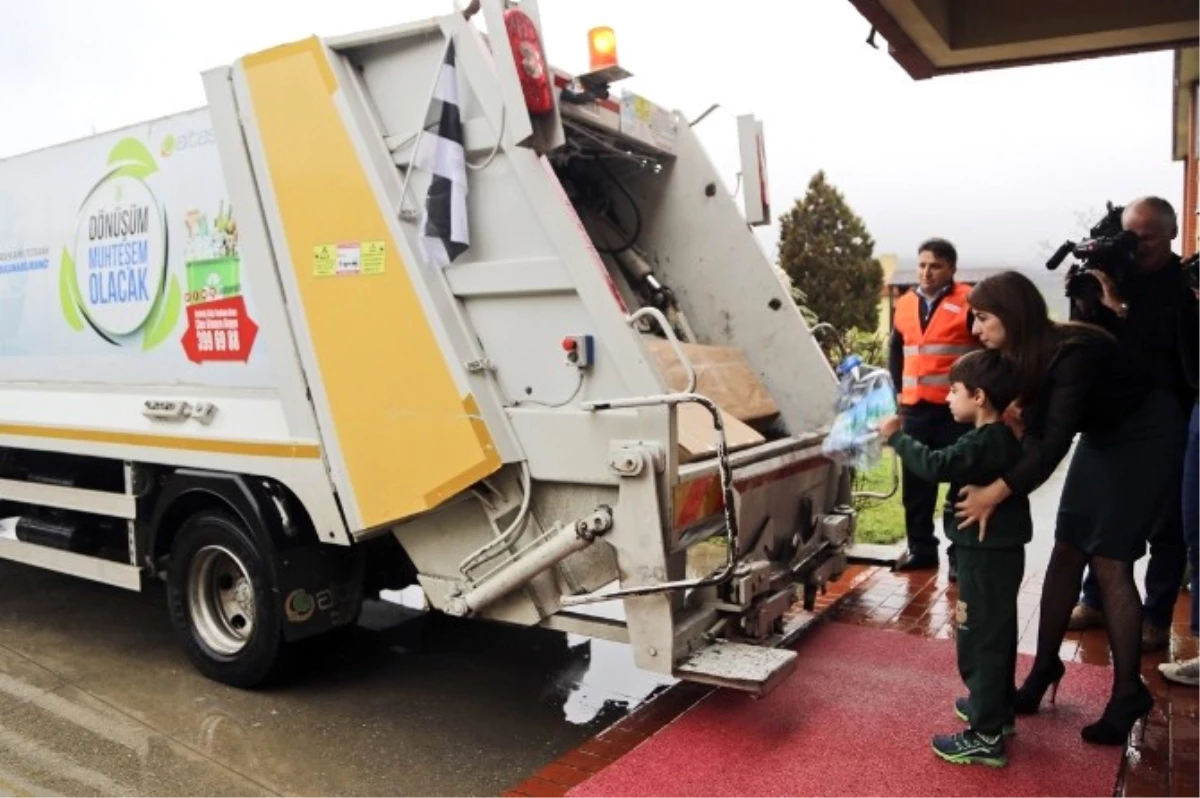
{"points": [[412, 307]]}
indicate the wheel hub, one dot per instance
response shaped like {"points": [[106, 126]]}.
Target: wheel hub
{"points": [[221, 600], [243, 594]]}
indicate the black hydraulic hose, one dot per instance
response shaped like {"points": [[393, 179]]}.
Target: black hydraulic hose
{"points": [[637, 213]]}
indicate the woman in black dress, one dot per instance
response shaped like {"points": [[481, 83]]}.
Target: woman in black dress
{"points": [[1076, 379]]}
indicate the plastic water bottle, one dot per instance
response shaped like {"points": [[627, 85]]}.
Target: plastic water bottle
{"points": [[865, 396]]}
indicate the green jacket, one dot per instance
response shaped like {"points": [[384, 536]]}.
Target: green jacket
{"points": [[977, 458]]}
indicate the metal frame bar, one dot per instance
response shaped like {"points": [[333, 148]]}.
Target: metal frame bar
{"points": [[388, 35], [130, 524], [589, 626], [118, 505], [723, 574], [67, 562]]}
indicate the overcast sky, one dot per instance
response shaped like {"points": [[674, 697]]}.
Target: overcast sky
{"points": [[998, 162]]}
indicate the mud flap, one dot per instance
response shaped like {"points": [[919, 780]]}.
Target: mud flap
{"points": [[754, 669], [320, 588]]}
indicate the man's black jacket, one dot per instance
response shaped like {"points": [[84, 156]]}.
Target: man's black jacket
{"points": [[1162, 327]]}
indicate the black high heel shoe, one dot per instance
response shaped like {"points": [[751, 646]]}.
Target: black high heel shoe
{"points": [[1118, 718], [1028, 696]]}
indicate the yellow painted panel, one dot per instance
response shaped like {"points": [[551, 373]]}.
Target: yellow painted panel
{"points": [[406, 434]]}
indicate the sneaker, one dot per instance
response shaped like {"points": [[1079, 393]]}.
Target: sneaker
{"points": [[908, 561], [969, 747], [1154, 637], [1185, 672], [960, 710], [1085, 617]]}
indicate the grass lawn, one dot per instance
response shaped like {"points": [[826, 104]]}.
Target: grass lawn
{"points": [[882, 521]]}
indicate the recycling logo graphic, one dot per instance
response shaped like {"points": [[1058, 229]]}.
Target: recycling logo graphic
{"points": [[114, 278]]}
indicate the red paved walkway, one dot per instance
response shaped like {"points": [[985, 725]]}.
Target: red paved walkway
{"points": [[1163, 762]]}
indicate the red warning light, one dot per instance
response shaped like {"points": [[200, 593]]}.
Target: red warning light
{"points": [[531, 61]]}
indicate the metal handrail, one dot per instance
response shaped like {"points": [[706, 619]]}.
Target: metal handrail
{"points": [[726, 476], [669, 331]]}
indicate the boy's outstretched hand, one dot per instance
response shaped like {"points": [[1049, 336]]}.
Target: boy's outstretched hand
{"points": [[889, 427]]}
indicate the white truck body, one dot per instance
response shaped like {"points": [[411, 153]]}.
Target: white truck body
{"points": [[227, 312], [95, 326]]}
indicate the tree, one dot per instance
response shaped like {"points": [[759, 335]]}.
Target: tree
{"points": [[797, 296], [825, 249]]}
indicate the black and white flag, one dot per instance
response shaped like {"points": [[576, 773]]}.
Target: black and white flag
{"points": [[444, 234]]}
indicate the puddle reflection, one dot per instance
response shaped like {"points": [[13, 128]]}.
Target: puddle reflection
{"points": [[595, 681]]}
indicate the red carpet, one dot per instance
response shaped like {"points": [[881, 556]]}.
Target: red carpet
{"points": [[855, 719]]}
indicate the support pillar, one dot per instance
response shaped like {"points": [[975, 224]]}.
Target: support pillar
{"points": [[1191, 244]]}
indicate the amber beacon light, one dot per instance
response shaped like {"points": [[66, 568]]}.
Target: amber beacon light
{"points": [[602, 48]]}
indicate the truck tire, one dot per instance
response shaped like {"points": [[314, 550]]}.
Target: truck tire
{"points": [[221, 601]]}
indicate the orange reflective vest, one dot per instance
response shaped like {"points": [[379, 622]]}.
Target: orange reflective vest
{"points": [[929, 353]]}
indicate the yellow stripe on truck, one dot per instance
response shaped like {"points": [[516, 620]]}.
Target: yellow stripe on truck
{"points": [[302, 451], [408, 438]]}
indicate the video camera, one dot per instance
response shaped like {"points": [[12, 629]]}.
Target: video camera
{"points": [[1108, 249]]}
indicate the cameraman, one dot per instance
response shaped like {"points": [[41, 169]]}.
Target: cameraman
{"points": [[1153, 313]]}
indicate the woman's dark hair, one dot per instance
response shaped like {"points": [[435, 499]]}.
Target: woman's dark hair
{"points": [[1030, 337]]}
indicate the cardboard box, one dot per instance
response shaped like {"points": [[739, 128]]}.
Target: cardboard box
{"points": [[698, 438], [722, 374]]}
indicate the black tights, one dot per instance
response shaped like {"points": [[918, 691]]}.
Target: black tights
{"points": [[1122, 612]]}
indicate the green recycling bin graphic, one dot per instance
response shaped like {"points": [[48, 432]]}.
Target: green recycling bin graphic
{"points": [[213, 279]]}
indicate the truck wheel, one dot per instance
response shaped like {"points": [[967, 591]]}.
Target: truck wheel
{"points": [[221, 601]]}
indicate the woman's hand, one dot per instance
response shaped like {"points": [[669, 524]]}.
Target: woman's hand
{"points": [[1013, 420], [976, 504]]}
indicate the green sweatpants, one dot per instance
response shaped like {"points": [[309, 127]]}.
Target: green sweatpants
{"points": [[986, 615]]}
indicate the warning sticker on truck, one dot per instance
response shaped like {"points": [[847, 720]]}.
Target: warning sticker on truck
{"points": [[372, 257], [348, 258], [324, 260]]}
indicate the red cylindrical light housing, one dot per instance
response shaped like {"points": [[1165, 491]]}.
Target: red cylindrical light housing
{"points": [[531, 61]]}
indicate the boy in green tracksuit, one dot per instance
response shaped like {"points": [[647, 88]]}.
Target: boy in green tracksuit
{"points": [[991, 566]]}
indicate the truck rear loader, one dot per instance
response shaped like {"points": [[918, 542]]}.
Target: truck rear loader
{"points": [[411, 307]]}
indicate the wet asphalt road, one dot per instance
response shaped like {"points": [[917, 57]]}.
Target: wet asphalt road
{"points": [[96, 698]]}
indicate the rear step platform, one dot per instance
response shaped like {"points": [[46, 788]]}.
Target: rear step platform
{"points": [[874, 553], [739, 666]]}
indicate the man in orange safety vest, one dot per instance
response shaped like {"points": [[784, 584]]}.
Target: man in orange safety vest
{"points": [[931, 328]]}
